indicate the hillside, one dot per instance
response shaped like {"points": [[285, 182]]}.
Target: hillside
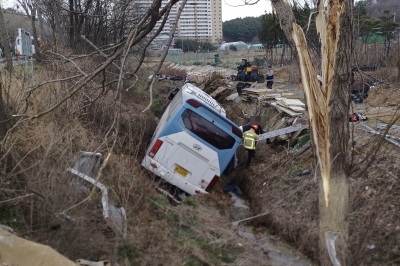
{"points": [[376, 10]]}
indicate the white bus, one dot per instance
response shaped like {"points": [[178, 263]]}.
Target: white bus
{"points": [[193, 142]]}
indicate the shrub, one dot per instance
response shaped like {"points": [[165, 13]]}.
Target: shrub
{"points": [[232, 47]]}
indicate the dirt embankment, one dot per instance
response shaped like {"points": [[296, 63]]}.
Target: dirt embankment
{"points": [[274, 183], [58, 213]]}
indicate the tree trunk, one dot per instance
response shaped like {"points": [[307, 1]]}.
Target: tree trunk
{"points": [[333, 217], [6, 42], [328, 108], [42, 34], [34, 32], [82, 19], [71, 23], [57, 20], [398, 67], [282, 55]]}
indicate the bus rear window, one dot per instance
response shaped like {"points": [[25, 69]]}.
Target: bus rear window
{"points": [[207, 131]]}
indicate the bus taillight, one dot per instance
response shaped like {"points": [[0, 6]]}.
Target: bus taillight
{"points": [[237, 132], [155, 148], [193, 103], [212, 183]]}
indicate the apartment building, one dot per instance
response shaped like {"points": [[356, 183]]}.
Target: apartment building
{"points": [[200, 20]]}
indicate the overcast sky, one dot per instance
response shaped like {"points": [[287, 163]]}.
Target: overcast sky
{"points": [[235, 9], [230, 8]]}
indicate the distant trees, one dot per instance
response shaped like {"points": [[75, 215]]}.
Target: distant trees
{"points": [[190, 45], [104, 33], [101, 22], [270, 32], [371, 21], [241, 29], [388, 28], [376, 10], [364, 24], [372, 29]]}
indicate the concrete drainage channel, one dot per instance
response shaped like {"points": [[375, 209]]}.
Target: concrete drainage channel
{"points": [[277, 253]]}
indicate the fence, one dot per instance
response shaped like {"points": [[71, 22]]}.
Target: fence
{"points": [[230, 59]]}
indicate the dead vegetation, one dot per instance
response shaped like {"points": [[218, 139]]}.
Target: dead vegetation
{"points": [[39, 201], [274, 186], [173, 72], [199, 232]]}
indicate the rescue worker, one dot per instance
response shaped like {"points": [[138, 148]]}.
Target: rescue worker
{"points": [[259, 131], [249, 143], [270, 77], [247, 127]]}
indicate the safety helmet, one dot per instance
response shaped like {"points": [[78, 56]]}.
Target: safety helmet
{"points": [[255, 127]]}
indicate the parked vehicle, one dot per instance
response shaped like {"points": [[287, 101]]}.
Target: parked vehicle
{"points": [[19, 46], [193, 142]]}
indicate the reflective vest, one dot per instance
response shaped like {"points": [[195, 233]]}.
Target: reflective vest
{"points": [[249, 140]]}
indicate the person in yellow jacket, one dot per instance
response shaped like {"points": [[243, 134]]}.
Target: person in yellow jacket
{"points": [[249, 143]]}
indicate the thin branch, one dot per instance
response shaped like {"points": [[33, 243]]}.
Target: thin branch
{"points": [[69, 60], [101, 52], [178, 15], [29, 92], [151, 94], [17, 198]]}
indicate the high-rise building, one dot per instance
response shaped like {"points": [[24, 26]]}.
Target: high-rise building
{"points": [[200, 20]]}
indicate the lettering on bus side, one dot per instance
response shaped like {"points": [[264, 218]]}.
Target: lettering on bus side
{"points": [[206, 99]]}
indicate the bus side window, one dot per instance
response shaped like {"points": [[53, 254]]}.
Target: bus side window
{"points": [[206, 130], [187, 123]]}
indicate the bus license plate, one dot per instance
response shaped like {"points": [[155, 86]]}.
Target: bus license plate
{"points": [[180, 170]]}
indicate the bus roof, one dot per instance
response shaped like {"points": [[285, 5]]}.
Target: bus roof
{"points": [[189, 91]]}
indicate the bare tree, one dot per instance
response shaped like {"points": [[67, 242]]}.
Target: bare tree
{"points": [[30, 8], [4, 39], [328, 108]]}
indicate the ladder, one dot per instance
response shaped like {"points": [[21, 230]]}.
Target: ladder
{"points": [[279, 132]]}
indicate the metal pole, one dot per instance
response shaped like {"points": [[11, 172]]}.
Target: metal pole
{"points": [[26, 68], [33, 74]]}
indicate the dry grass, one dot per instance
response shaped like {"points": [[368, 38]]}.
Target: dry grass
{"points": [[195, 233], [38, 152], [173, 72], [292, 202]]}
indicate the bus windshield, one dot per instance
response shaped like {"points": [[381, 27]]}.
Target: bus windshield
{"points": [[207, 131]]}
